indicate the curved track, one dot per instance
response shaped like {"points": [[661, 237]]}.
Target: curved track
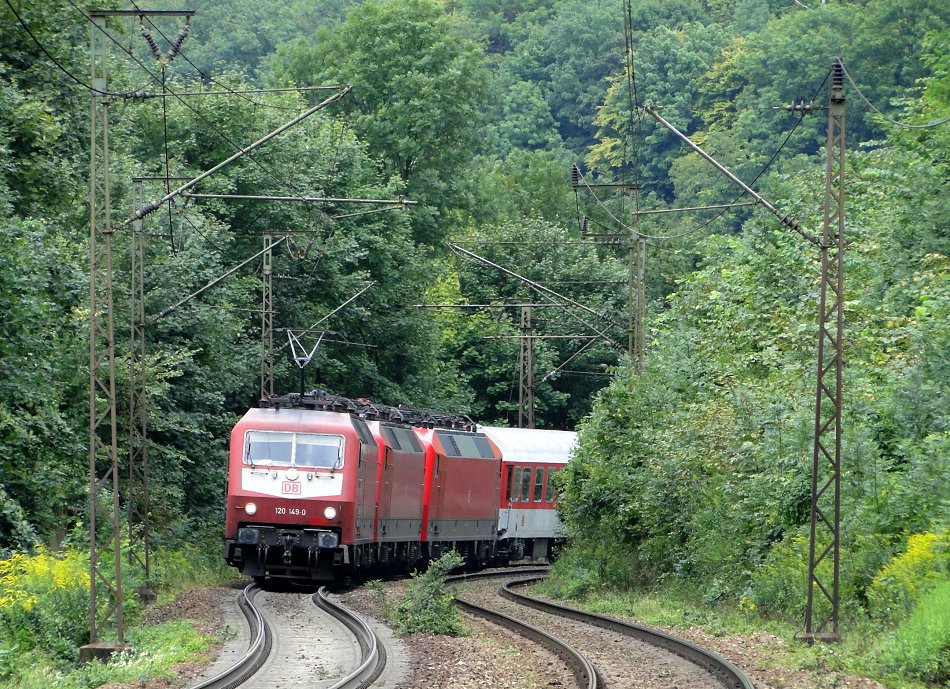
{"points": [[373, 657], [584, 671], [257, 651], [721, 670], [728, 674]]}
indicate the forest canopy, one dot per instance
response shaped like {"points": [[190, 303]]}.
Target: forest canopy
{"points": [[695, 469]]}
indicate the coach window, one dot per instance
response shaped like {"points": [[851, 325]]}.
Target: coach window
{"points": [[516, 484], [538, 484], [508, 483], [550, 489], [526, 484]]}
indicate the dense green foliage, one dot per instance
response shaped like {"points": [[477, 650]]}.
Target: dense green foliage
{"points": [[695, 472], [427, 607]]}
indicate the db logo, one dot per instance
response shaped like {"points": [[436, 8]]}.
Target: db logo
{"points": [[290, 487]]}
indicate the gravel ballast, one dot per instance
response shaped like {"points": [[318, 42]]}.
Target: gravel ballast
{"points": [[490, 657]]}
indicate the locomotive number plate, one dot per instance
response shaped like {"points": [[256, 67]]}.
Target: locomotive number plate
{"points": [[290, 487]]}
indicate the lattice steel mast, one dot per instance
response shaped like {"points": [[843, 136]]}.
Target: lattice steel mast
{"points": [[526, 371], [825, 517], [103, 448], [138, 498], [825, 534]]}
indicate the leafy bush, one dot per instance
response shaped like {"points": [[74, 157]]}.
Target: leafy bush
{"points": [[899, 584], [44, 601], [195, 565], [778, 586], [587, 567], [426, 607], [921, 646]]}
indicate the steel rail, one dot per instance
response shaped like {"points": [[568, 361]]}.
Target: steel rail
{"points": [[584, 671], [725, 672], [257, 652], [374, 655]]}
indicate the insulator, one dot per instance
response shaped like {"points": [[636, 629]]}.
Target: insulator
{"points": [[147, 35], [575, 175], [176, 44], [584, 222]]}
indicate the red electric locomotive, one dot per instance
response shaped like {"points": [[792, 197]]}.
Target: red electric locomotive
{"points": [[301, 483], [399, 495], [461, 493], [320, 486]]}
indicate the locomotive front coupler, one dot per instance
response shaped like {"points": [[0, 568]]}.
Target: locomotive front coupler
{"points": [[290, 540]]}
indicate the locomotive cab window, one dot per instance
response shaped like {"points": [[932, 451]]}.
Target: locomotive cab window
{"points": [[267, 448]]}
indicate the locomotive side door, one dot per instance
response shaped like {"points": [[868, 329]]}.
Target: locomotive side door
{"points": [[364, 501]]}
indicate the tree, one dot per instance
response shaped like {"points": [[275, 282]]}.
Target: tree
{"points": [[42, 161], [418, 83], [668, 64], [240, 35]]}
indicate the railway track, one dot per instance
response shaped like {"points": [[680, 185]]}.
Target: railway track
{"points": [[585, 674], [598, 652], [249, 669], [620, 647]]}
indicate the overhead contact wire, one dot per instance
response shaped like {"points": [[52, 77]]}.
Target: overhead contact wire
{"points": [[198, 113], [205, 75], [903, 125], [58, 64], [722, 212]]}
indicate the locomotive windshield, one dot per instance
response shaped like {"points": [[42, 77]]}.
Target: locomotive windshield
{"points": [[296, 449]]}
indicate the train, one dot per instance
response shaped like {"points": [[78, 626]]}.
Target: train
{"points": [[322, 487]]}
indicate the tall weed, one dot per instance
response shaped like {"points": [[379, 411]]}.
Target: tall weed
{"points": [[899, 584], [194, 565], [44, 601], [778, 586]]}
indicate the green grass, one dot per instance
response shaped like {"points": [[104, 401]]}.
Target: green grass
{"points": [[920, 646], [152, 653]]}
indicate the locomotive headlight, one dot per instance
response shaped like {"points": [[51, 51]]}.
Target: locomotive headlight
{"points": [[330, 512], [250, 508]]}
